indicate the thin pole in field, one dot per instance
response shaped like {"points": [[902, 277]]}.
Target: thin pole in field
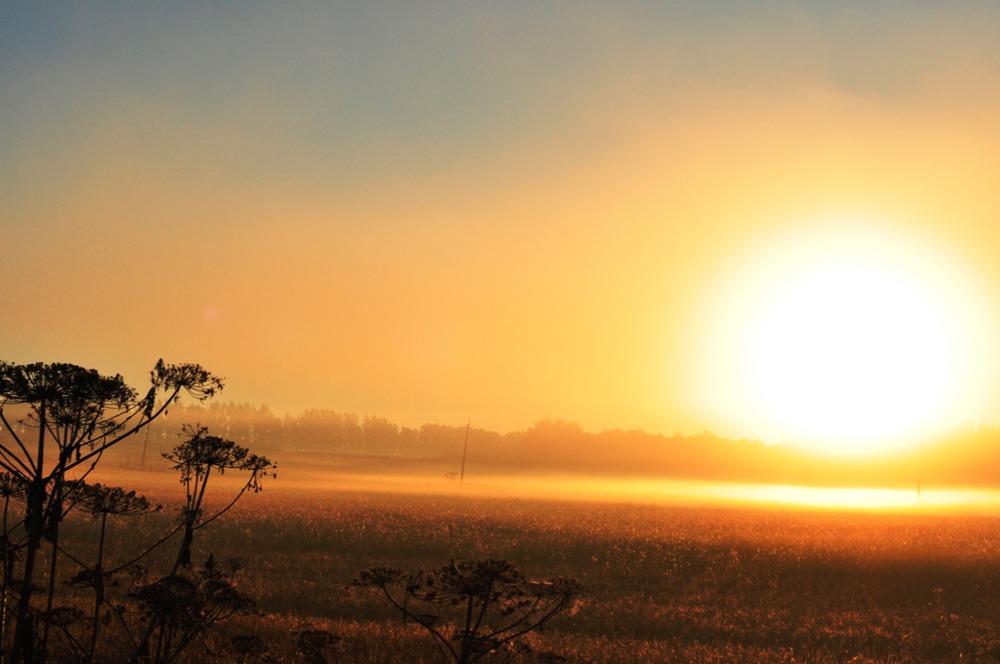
{"points": [[465, 450]]}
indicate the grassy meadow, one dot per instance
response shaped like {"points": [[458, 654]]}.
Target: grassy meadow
{"points": [[663, 582]]}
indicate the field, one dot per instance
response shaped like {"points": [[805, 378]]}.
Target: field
{"points": [[663, 582]]}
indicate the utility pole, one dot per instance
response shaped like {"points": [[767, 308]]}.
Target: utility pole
{"points": [[145, 444], [465, 450]]}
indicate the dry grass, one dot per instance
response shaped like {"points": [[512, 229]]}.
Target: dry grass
{"points": [[664, 583]]}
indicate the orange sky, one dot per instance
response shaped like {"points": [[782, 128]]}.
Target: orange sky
{"points": [[503, 213]]}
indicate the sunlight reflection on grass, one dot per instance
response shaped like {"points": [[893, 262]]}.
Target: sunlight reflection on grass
{"points": [[858, 497], [662, 491]]}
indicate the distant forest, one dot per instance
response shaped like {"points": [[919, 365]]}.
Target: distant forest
{"points": [[346, 442]]}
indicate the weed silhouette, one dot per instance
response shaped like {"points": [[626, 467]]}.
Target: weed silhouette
{"points": [[474, 609]]}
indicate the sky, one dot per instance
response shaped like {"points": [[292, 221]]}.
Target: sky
{"points": [[439, 211]]}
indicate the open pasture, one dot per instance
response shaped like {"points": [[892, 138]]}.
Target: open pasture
{"points": [[664, 582]]}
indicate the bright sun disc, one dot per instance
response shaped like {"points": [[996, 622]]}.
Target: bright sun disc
{"points": [[847, 340], [852, 353]]}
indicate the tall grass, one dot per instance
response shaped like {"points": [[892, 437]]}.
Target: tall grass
{"points": [[663, 583]]}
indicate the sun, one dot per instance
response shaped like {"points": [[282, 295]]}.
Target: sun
{"points": [[851, 353], [846, 339]]}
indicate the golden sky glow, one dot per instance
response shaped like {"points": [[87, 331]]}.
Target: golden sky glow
{"points": [[598, 213]]}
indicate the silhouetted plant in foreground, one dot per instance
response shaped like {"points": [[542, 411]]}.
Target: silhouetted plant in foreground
{"points": [[476, 608], [313, 643], [12, 488], [208, 594], [249, 649], [67, 417], [180, 607], [101, 502], [196, 459]]}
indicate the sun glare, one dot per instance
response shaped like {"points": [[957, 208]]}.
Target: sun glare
{"points": [[852, 351], [847, 339]]}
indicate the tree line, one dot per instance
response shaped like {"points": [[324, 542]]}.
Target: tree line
{"points": [[968, 457]]}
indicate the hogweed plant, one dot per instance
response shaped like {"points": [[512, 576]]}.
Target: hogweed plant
{"points": [[102, 502], [207, 592], [12, 489], [56, 423], [474, 609], [312, 644], [196, 459], [181, 607], [72, 416]]}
